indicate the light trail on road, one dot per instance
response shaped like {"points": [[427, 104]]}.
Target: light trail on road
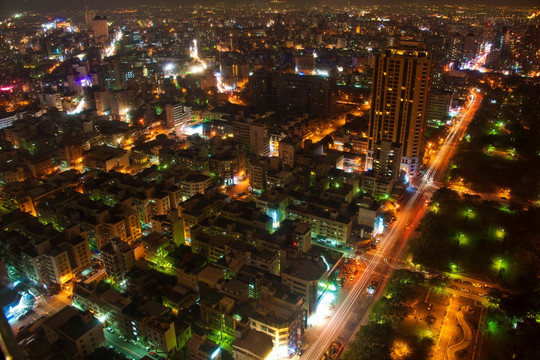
{"points": [[336, 323]]}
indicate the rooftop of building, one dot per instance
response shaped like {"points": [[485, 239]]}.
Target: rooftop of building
{"points": [[211, 297], [263, 254], [211, 273], [307, 269], [234, 286], [159, 324], [195, 178], [368, 203], [115, 298], [329, 214], [104, 153], [72, 322], [256, 342], [272, 197], [154, 240], [274, 312], [199, 202]]}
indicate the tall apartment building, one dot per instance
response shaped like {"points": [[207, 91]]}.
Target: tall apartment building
{"points": [[252, 135], [400, 99], [455, 47], [57, 264], [89, 15], [177, 115], [293, 93], [78, 249], [386, 159], [287, 148], [118, 257], [439, 105], [105, 158], [469, 46], [122, 101], [103, 101], [327, 223], [101, 29], [51, 100], [257, 168]]}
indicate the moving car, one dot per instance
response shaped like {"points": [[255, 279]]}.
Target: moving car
{"points": [[333, 351], [372, 287]]}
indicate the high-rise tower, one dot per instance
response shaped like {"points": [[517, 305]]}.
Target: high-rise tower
{"points": [[401, 89], [101, 29]]}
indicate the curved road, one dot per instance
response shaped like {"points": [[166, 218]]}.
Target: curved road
{"points": [[467, 336], [394, 241]]}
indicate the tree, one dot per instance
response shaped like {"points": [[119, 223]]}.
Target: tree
{"points": [[517, 306], [388, 311], [405, 276], [526, 340], [438, 282], [430, 320], [373, 342], [422, 348]]}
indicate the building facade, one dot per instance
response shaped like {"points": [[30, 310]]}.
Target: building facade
{"points": [[400, 96]]}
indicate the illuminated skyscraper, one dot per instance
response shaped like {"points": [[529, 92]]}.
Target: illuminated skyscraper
{"points": [[401, 90], [101, 29]]}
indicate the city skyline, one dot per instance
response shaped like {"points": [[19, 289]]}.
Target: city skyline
{"points": [[12, 6], [269, 181]]}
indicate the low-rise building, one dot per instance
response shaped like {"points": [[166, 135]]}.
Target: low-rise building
{"points": [[200, 207], [194, 184], [211, 277], [160, 332], [105, 158], [75, 333], [253, 345], [279, 314], [200, 348], [228, 165], [330, 224], [303, 277], [368, 211]]}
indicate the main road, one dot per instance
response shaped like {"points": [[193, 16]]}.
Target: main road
{"points": [[355, 303]]}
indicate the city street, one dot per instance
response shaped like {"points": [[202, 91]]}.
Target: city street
{"points": [[46, 305], [124, 347], [241, 187], [335, 123], [352, 309]]}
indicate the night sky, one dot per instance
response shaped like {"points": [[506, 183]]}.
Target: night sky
{"points": [[11, 6]]}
